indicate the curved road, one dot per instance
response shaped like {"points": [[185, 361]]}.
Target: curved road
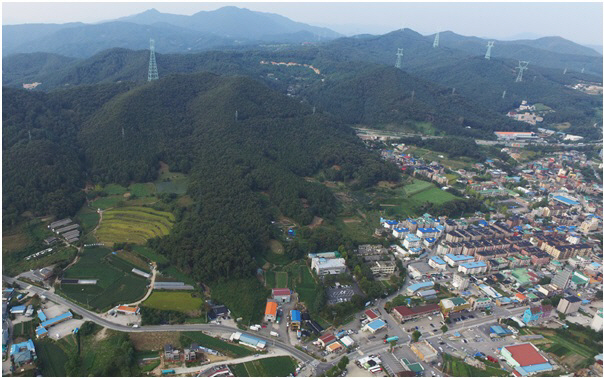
{"points": [[158, 328]]}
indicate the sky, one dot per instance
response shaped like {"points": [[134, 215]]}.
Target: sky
{"points": [[578, 22]]}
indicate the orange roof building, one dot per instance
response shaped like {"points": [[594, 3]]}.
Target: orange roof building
{"points": [[521, 297], [270, 314], [128, 309]]}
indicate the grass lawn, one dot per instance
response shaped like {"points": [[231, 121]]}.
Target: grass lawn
{"points": [[24, 329], [239, 370], [457, 368], [281, 279], [106, 202], [276, 246], [142, 190], [202, 339], [433, 195], [269, 278], [276, 258], [51, 358], [171, 182], [245, 297], [182, 301], [405, 200], [133, 224]]}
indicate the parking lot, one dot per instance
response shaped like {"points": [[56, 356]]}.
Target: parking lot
{"points": [[341, 294]]}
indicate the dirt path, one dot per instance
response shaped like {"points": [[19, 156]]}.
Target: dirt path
{"points": [[153, 274]]}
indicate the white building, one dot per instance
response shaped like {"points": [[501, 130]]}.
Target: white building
{"points": [[596, 323], [460, 282], [411, 241], [383, 267], [474, 267], [400, 232], [328, 266], [437, 263]]}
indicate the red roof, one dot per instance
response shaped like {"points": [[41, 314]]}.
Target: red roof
{"points": [[281, 292], [327, 338], [406, 311], [526, 354], [370, 314]]}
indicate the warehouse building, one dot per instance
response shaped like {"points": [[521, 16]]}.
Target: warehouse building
{"points": [[282, 295], [404, 313], [525, 359], [328, 266], [270, 313], [248, 340]]}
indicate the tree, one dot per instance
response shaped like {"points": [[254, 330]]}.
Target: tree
{"points": [[416, 335], [545, 280], [444, 328], [343, 362], [561, 316]]}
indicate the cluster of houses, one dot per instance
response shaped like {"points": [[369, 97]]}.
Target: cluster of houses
{"points": [[65, 228], [335, 342]]}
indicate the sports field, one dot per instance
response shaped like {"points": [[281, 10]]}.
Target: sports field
{"points": [[116, 283], [182, 301], [133, 225], [434, 195], [406, 199]]}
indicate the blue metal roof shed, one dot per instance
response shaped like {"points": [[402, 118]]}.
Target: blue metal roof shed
{"points": [[295, 314]]}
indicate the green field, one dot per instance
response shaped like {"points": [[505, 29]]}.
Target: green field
{"points": [[281, 366], [245, 297], [281, 279], [24, 329], [455, 367], [142, 190], [270, 280], [171, 182], [302, 281], [405, 200], [106, 202], [230, 349], [182, 301], [434, 195], [178, 275], [150, 254], [133, 225], [568, 350], [16, 265], [113, 189], [51, 358], [116, 283], [88, 218]]}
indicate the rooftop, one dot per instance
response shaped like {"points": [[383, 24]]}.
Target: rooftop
{"points": [[526, 354]]}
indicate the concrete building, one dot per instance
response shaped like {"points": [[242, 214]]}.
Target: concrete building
{"points": [[248, 340], [404, 313], [526, 359], [383, 267], [474, 267], [481, 303], [374, 326], [411, 241], [460, 282], [424, 351], [328, 266], [569, 305], [453, 305], [437, 263], [562, 279], [418, 269], [412, 289], [596, 323], [454, 260]]}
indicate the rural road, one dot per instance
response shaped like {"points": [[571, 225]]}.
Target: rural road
{"points": [[96, 318]]}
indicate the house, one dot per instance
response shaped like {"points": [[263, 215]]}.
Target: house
{"points": [[383, 267], [270, 313], [414, 288], [535, 313], [473, 267], [370, 315], [128, 310], [171, 354], [282, 295], [18, 310], [334, 347], [23, 353], [525, 359], [219, 312], [326, 339]]}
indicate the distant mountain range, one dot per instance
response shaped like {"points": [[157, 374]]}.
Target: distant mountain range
{"points": [[224, 27]]}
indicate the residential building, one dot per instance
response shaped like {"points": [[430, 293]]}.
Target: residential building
{"points": [[569, 305], [562, 279], [326, 339], [460, 282], [23, 353], [383, 267], [411, 241], [480, 303], [474, 267], [454, 260], [404, 313], [536, 313], [437, 263]]}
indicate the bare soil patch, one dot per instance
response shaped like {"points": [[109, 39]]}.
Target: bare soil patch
{"points": [[316, 222], [154, 340]]}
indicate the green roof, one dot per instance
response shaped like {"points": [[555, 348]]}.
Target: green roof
{"points": [[458, 301], [522, 257], [521, 275], [416, 367], [531, 295]]}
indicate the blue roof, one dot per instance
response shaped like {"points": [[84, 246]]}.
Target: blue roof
{"points": [[248, 339], [17, 308], [41, 315], [500, 330], [403, 229], [565, 200], [459, 257], [420, 285], [57, 319], [429, 229], [430, 240], [474, 264], [29, 345], [376, 324], [534, 368], [391, 222], [41, 331], [296, 316], [438, 260], [483, 223], [412, 238]]}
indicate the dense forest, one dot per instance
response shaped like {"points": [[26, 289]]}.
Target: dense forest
{"points": [[246, 148]]}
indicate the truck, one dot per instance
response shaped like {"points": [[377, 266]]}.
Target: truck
{"points": [[168, 371], [273, 333], [254, 328], [390, 339], [299, 334]]}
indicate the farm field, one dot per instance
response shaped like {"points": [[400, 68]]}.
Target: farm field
{"points": [[182, 301], [567, 350], [281, 366], [134, 259], [404, 200], [434, 195], [107, 202], [142, 189], [270, 280], [116, 283], [88, 218], [245, 297], [453, 163], [171, 182], [15, 264], [133, 225], [281, 279], [455, 367], [217, 344], [51, 358], [149, 254]]}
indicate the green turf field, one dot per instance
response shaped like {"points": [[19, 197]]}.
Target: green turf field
{"points": [[281, 279], [182, 301], [107, 202], [217, 344], [133, 225], [281, 366]]}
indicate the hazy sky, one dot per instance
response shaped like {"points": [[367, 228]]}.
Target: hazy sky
{"points": [[579, 22]]}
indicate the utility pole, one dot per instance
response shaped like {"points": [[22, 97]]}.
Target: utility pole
{"points": [[236, 115], [490, 44], [564, 73], [399, 59]]}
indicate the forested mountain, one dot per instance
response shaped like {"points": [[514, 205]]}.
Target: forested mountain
{"points": [[17, 35], [554, 52], [25, 68], [121, 133], [234, 22]]}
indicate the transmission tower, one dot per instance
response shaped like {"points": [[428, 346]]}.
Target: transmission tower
{"points": [[399, 58], [503, 95], [490, 44], [453, 91], [564, 73], [582, 70], [153, 75], [436, 39], [522, 66]]}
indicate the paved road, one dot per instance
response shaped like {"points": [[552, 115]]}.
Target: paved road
{"points": [[155, 328]]}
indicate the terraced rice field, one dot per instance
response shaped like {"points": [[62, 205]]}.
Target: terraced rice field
{"points": [[133, 225]]}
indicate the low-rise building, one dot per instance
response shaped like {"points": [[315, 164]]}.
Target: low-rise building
{"points": [[424, 351], [249, 340], [454, 260], [270, 313], [383, 267], [328, 266], [282, 295], [326, 339], [569, 305], [480, 303], [437, 263], [474, 267], [374, 326], [596, 322], [414, 288], [460, 282], [526, 359], [453, 305], [296, 319], [404, 313], [23, 353]]}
